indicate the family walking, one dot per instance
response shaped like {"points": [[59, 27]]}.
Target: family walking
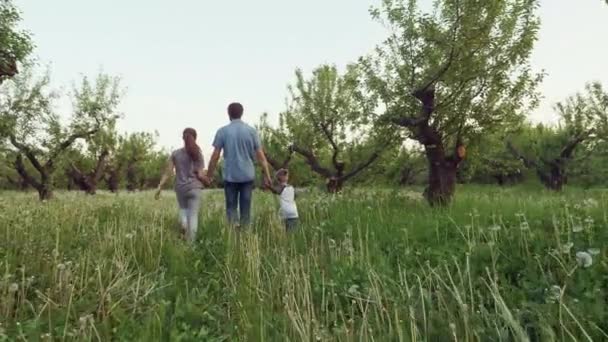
{"points": [[241, 148]]}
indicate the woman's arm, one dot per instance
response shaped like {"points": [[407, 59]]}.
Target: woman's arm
{"points": [[166, 174], [201, 173]]}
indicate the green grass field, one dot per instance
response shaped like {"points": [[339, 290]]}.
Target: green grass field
{"points": [[368, 265]]}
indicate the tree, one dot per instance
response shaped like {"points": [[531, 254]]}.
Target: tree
{"points": [[15, 45], [328, 123], [277, 146], [38, 134], [134, 150], [489, 161], [584, 119], [100, 146], [454, 73]]}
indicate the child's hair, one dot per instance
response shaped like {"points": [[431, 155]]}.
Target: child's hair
{"points": [[281, 173]]}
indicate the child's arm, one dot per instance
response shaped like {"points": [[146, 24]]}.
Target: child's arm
{"points": [[276, 189]]}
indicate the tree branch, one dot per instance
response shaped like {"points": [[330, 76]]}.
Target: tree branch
{"points": [[67, 143], [372, 158], [28, 153], [21, 170], [101, 164], [276, 165], [529, 163], [312, 161], [567, 151]]}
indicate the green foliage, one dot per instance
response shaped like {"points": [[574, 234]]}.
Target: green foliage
{"points": [[329, 124], [326, 108], [583, 125], [15, 44], [475, 55], [489, 161], [26, 110], [37, 133], [499, 264]]}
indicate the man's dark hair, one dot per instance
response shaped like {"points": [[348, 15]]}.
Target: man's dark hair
{"points": [[235, 110]]}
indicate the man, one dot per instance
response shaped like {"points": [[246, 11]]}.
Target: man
{"points": [[241, 145]]}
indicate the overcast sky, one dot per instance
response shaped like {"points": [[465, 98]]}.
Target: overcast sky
{"points": [[183, 61]]}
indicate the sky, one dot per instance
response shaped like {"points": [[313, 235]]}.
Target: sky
{"points": [[183, 61]]}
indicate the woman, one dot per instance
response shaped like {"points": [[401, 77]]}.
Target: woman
{"points": [[188, 164]]}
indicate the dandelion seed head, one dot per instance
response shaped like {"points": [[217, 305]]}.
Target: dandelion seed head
{"points": [[555, 293], [566, 248], [584, 259], [494, 228]]}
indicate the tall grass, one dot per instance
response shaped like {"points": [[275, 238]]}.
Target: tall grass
{"points": [[367, 265]]}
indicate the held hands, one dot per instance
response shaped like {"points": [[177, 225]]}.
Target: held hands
{"points": [[206, 180], [267, 182]]}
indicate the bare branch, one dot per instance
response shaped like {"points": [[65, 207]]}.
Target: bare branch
{"points": [[529, 163], [277, 165], [67, 143], [28, 153], [22, 171], [312, 161], [372, 158]]}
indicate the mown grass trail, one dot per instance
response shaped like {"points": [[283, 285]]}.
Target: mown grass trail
{"points": [[368, 265]]}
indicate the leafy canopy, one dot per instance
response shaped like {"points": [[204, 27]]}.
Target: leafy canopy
{"points": [[474, 56]]}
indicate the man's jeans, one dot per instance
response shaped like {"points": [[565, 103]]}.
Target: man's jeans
{"points": [[238, 196]]}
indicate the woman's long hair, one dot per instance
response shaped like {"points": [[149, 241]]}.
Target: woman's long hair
{"points": [[192, 148]]}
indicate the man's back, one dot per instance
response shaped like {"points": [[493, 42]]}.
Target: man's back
{"points": [[240, 143]]}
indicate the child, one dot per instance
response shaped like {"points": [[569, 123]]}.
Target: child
{"points": [[287, 198]]}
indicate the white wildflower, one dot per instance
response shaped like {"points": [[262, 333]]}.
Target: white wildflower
{"points": [[555, 293], [13, 288], [584, 259], [494, 228], [354, 290], [567, 247], [577, 228], [590, 203], [61, 267], [524, 225], [129, 236]]}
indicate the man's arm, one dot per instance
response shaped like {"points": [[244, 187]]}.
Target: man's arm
{"points": [[261, 156], [215, 157]]}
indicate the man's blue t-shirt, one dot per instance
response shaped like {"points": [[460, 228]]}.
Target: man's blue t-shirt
{"points": [[240, 143]]}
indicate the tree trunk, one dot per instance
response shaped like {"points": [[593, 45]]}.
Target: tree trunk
{"points": [[45, 193], [442, 182], [131, 177], [334, 185], [44, 187], [442, 169], [113, 181], [556, 179]]}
